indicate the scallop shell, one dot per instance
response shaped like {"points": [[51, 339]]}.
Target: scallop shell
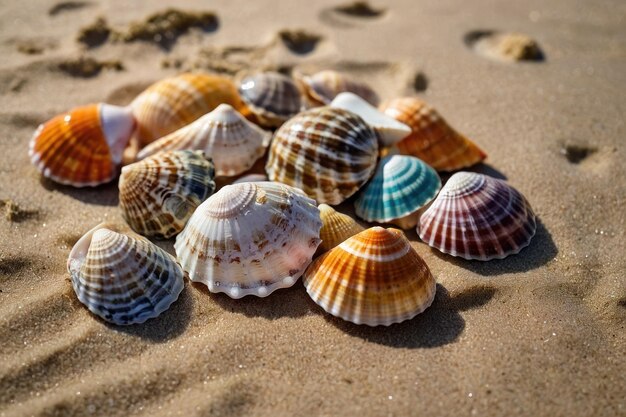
{"points": [[84, 146], [159, 194], [336, 227], [400, 187], [251, 178], [327, 152], [122, 278], [374, 278], [225, 135], [250, 239], [478, 217], [388, 129], [322, 87], [174, 102], [271, 97], [432, 139]]}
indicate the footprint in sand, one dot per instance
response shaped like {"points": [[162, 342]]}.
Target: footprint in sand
{"points": [[299, 41], [504, 46], [14, 213], [420, 82], [576, 153], [347, 15], [13, 265], [67, 6]]}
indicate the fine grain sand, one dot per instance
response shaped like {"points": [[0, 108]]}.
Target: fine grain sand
{"points": [[539, 333]]}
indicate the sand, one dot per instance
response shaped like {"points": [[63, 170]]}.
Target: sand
{"points": [[539, 333]]}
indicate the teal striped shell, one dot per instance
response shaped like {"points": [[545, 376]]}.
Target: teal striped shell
{"points": [[401, 185]]}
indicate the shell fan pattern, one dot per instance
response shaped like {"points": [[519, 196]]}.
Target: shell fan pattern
{"points": [[373, 278], [478, 217], [250, 239], [224, 135], [123, 279], [327, 152], [159, 193], [271, 97], [400, 187], [336, 227], [174, 102], [84, 146], [432, 139]]}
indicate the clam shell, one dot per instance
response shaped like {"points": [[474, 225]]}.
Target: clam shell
{"points": [[174, 102], [478, 217], [432, 139], [400, 187], [388, 129], [251, 178], [159, 194], [225, 135], [336, 227], [271, 97], [322, 87], [84, 146], [327, 152], [123, 279], [374, 278], [250, 239]]}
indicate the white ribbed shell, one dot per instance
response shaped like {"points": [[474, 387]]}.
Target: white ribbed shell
{"points": [[250, 239], [123, 279], [224, 135]]}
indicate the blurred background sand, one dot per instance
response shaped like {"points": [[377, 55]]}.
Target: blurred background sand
{"points": [[540, 333]]}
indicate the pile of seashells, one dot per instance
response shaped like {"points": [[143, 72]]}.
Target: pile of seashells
{"points": [[332, 140]]}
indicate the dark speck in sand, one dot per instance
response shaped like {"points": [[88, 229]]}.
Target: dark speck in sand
{"points": [[575, 154], [88, 67], [94, 34], [163, 28], [359, 9]]}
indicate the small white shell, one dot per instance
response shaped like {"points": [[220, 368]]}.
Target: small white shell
{"points": [[121, 278], [388, 129], [250, 239], [224, 135]]}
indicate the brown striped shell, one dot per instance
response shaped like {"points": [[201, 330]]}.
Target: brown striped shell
{"points": [[432, 139], [174, 102], [373, 278], [271, 97], [322, 87], [327, 152], [336, 227], [159, 193]]}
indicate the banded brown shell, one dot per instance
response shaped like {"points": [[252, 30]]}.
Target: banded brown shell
{"points": [[271, 97], [174, 102], [224, 135], [159, 193], [336, 227], [374, 278], [123, 278], [250, 239], [84, 146], [327, 152], [432, 139], [322, 87], [478, 217]]}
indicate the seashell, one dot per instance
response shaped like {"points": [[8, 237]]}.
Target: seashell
{"points": [[401, 186], [432, 139], [388, 129], [225, 135], [478, 217], [84, 146], [327, 152], [122, 278], [250, 239], [251, 178], [174, 102], [374, 278], [322, 87], [271, 97], [159, 193], [336, 227]]}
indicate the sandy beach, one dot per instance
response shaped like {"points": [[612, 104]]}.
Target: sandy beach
{"points": [[538, 333]]}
